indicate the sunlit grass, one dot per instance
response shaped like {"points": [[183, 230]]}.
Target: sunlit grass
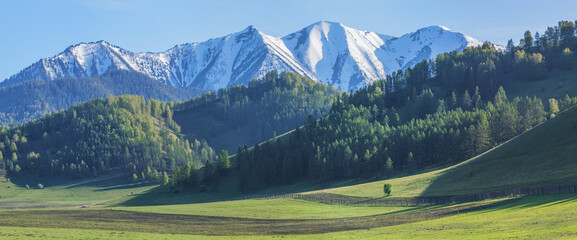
{"points": [[75, 192], [285, 208]]}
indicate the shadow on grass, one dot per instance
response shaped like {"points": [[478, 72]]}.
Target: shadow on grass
{"points": [[32, 181], [222, 226], [119, 187], [528, 202], [108, 180], [540, 157], [163, 195], [101, 183], [227, 192]]}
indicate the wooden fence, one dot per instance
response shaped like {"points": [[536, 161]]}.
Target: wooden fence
{"points": [[433, 200]]}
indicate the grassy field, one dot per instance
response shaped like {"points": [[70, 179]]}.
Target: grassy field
{"points": [[118, 220], [283, 208], [531, 217], [59, 192]]}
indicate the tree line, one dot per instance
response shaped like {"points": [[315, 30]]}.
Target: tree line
{"points": [[486, 67]]}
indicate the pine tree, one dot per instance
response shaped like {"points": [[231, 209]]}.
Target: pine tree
{"points": [[223, 162], [553, 107], [500, 97], [477, 102], [453, 100], [410, 160], [134, 178], [207, 175], [164, 178], [467, 102], [510, 45], [389, 165], [527, 41]]}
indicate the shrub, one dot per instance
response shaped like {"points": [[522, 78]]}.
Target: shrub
{"points": [[387, 189]]}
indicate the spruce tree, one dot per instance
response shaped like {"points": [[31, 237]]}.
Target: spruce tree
{"points": [[467, 102], [223, 162], [164, 178]]}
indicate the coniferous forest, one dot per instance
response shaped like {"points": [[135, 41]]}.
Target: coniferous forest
{"points": [[272, 105], [125, 134], [439, 112], [442, 111]]}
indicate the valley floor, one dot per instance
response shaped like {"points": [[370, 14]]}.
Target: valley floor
{"points": [[543, 156], [529, 217]]}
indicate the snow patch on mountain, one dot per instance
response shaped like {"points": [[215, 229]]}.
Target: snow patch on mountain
{"points": [[327, 52]]}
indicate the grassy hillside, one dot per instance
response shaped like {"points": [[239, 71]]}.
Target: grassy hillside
{"points": [[542, 156], [545, 155], [557, 84]]}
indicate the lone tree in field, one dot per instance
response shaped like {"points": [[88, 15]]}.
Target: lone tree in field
{"points": [[387, 189]]}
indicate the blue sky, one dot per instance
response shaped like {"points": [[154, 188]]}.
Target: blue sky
{"points": [[35, 29]]}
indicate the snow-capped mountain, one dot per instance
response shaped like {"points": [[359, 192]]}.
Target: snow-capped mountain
{"points": [[328, 52]]}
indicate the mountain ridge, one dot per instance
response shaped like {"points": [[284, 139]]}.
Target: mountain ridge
{"points": [[327, 52]]}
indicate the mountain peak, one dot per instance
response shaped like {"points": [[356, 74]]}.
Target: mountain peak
{"points": [[437, 28], [324, 26], [323, 22], [97, 43], [325, 51], [247, 34], [250, 28]]}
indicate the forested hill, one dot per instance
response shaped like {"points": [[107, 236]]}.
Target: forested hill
{"points": [[32, 99], [244, 115], [137, 136], [440, 112], [122, 133]]}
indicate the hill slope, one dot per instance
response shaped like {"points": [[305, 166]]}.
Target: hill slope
{"points": [[124, 134], [245, 115], [542, 156], [32, 99]]}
